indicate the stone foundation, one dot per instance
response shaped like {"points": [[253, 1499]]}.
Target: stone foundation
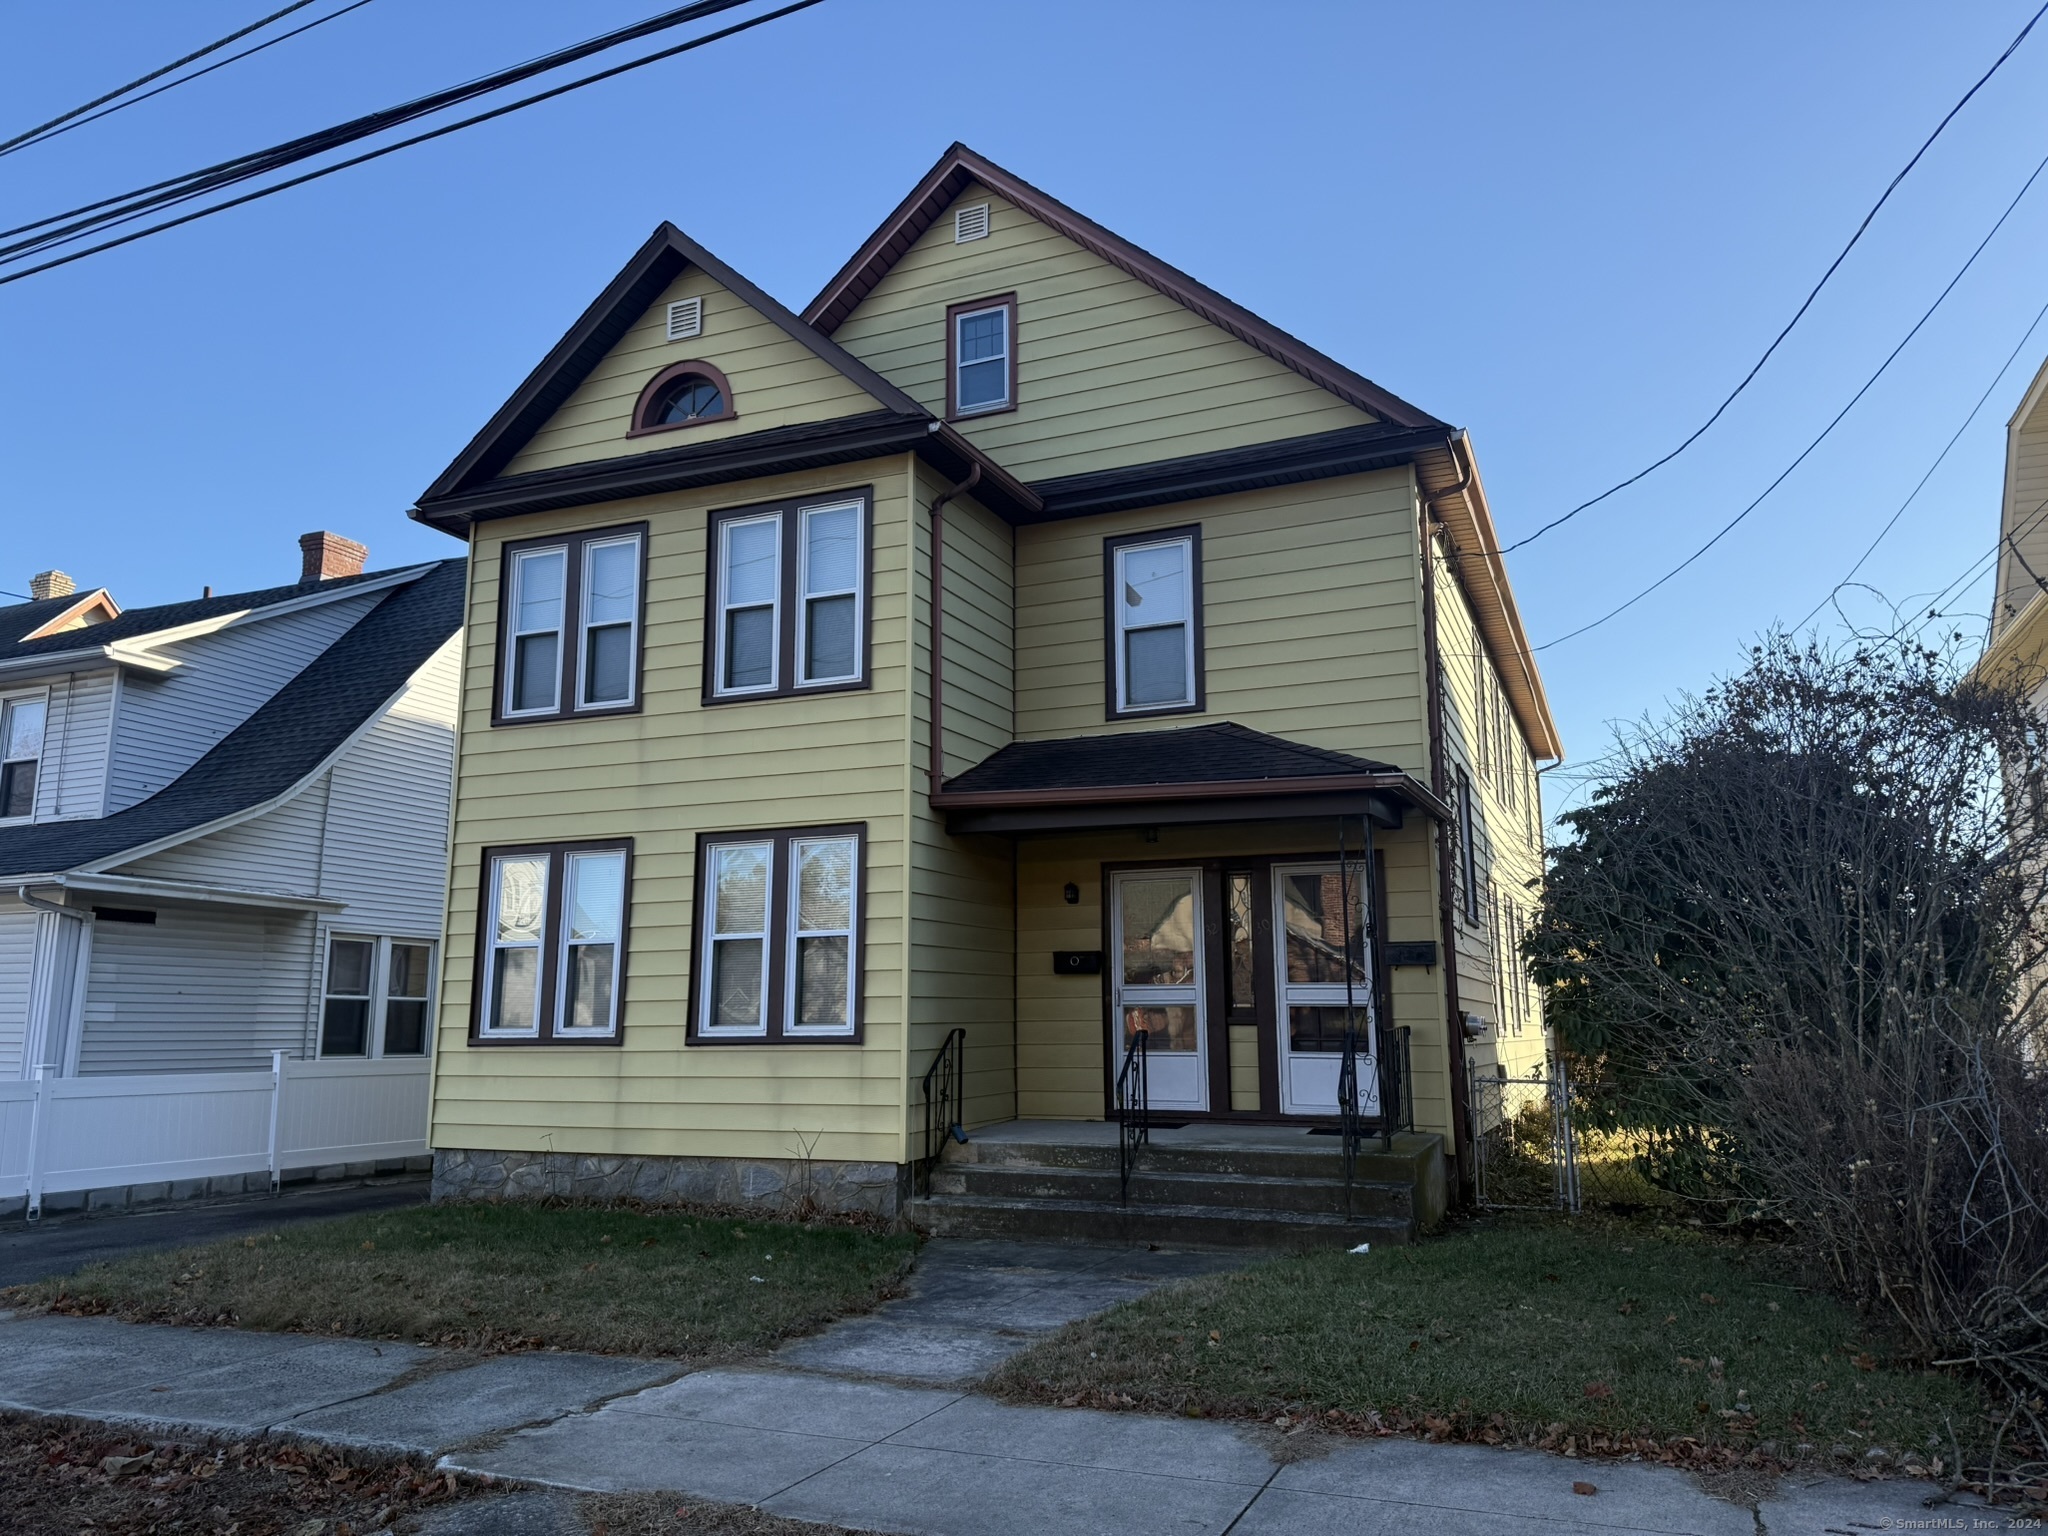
{"points": [[770, 1185]]}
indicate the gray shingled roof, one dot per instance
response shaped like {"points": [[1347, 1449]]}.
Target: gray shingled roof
{"points": [[280, 744], [1195, 754], [24, 618]]}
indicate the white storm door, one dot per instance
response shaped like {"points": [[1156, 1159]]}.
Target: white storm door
{"points": [[1159, 984], [1311, 929]]}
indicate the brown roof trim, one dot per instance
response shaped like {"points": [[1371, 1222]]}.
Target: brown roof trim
{"points": [[961, 166], [98, 597], [661, 258], [1405, 786], [1481, 572]]}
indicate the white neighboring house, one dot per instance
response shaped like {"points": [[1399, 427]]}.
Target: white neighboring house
{"points": [[223, 823]]}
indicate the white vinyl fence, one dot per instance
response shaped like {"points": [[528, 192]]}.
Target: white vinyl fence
{"points": [[60, 1134]]}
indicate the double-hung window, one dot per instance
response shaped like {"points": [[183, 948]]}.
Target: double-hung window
{"points": [[1153, 623], [981, 356], [1468, 849], [22, 720], [551, 950], [788, 598], [778, 936], [570, 625], [376, 999]]}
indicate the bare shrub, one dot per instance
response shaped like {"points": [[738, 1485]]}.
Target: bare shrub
{"points": [[1799, 933]]}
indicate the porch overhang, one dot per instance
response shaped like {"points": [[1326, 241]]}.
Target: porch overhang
{"points": [[1384, 803], [181, 892]]}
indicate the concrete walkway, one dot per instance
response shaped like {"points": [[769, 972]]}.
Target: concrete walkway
{"points": [[872, 1424]]}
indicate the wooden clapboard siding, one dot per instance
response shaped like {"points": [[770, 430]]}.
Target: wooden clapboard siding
{"points": [[776, 382], [1109, 371], [963, 930], [1310, 617], [2025, 515], [662, 776]]}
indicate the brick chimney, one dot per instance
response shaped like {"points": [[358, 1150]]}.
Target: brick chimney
{"points": [[47, 584], [328, 555]]}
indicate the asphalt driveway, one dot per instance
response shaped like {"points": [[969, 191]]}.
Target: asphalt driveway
{"points": [[58, 1245]]}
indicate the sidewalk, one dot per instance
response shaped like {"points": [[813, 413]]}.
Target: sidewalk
{"points": [[873, 1424]]}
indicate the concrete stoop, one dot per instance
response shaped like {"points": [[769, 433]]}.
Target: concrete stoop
{"points": [[1212, 1186]]}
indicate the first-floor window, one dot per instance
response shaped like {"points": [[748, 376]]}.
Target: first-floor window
{"points": [[778, 935], [376, 997], [552, 942]]}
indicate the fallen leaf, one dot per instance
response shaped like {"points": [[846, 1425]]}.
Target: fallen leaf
{"points": [[368, 1245], [1598, 1389], [1712, 1301], [1864, 1362], [1584, 1488]]}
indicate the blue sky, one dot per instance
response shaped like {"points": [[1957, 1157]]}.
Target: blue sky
{"points": [[1567, 227]]}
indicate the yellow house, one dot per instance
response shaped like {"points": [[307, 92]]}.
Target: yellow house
{"points": [[1022, 702], [2019, 611]]}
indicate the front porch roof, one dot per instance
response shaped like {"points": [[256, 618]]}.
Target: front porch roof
{"points": [[1203, 773]]}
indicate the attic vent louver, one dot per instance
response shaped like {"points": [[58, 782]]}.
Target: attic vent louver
{"points": [[685, 319], [970, 223]]}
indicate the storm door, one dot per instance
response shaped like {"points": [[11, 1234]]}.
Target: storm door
{"points": [[1324, 985], [1160, 981]]}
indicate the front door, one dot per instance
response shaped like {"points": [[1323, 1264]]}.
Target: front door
{"points": [[1324, 985], [1159, 981]]}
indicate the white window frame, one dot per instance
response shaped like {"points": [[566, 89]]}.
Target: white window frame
{"points": [[565, 942], [631, 626], [1119, 628], [710, 938], [490, 945], [514, 634], [962, 361], [805, 597], [851, 933], [7, 703], [725, 607], [379, 995]]}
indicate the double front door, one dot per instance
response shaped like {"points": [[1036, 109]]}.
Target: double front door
{"points": [[1244, 974]]}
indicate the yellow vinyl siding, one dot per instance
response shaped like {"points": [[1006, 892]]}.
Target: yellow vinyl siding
{"points": [[962, 925], [776, 382], [1310, 621], [661, 776], [2025, 519], [1109, 370], [1062, 1025], [1244, 1067]]}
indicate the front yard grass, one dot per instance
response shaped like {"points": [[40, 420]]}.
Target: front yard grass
{"points": [[1598, 1338], [680, 1284]]}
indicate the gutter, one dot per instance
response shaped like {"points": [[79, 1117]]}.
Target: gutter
{"points": [[937, 770], [1402, 784], [1439, 781]]}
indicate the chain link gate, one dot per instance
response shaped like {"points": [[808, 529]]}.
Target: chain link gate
{"points": [[1525, 1151]]}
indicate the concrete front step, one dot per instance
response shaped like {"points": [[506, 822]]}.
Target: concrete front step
{"points": [[1315, 1161], [1155, 1186], [1195, 1226]]}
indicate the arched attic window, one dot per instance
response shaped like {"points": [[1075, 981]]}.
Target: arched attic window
{"points": [[682, 395]]}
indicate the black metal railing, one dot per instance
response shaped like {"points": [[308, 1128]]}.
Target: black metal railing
{"points": [[1397, 1087], [1347, 1110], [1133, 1110], [945, 1098]]}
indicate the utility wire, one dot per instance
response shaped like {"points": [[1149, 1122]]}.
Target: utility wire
{"points": [[99, 101], [421, 138], [1733, 522], [1798, 314], [61, 126], [1940, 458], [242, 167]]}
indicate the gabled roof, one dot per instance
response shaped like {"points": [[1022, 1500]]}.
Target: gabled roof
{"points": [[960, 167], [24, 619], [276, 749], [664, 257]]}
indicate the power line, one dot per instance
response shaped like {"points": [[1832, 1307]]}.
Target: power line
{"points": [[40, 136], [1800, 313], [99, 101], [1940, 458], [455, 127], [1732, 523]]}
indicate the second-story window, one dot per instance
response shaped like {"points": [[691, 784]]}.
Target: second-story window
{"points": [[569, 625], [1153, 627], [981, 356], [21, 752], [788, 598]]}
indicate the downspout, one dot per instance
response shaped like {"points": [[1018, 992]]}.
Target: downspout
{"points": [[84, 921], [937, 771], [1439, 783]]}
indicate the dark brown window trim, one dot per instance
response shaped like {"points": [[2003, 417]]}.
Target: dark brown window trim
{"points": [[550, 943], [953, 313], [641, 426], [1193, 533], [786, 685], [779, 936], [572, 616]]}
